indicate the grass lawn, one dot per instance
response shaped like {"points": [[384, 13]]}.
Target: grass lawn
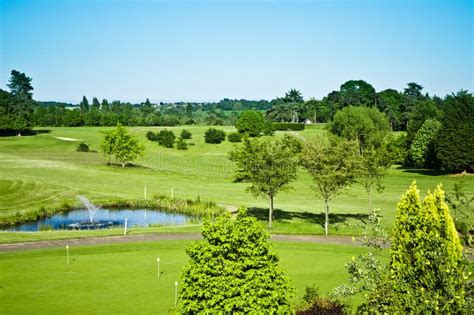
{"points": [[44, 170], [122, 278]]}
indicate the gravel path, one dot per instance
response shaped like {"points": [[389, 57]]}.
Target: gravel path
{"points": [[342, 240]]}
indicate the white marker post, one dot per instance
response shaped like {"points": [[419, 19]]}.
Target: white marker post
{"points": [[158, 263], [175, 293], [125, 227], [172, 192], [67, 253]]}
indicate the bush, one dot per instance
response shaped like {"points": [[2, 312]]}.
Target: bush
{"points": [[214, 136], [190, 122], [398, 149], [234, 269], [313, 303], [185, 134], [166, 138], [422, 147], [288, 126], [82, 147], [181, 144], [150, 135], [234, 137]]}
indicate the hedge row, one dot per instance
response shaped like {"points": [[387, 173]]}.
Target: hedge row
{"points": [[288, 126]]}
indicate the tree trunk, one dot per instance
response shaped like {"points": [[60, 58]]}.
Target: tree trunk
{"points": [[123, 164], [270, 212], [370, 200], [326, 222]]}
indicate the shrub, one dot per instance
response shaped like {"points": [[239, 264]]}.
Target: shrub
{"points": [[234, 137], [150, 135], [181, 144], [185, 134], [166, 138], [397, 149], [214, 136], [234, 269], [190, 122], [313, 303], [82, 147], [288, 126]]}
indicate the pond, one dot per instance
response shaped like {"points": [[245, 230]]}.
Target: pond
{"points": [[104, 218]]}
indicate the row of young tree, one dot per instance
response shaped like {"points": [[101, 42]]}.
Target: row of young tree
{"points": [[234, 269]]}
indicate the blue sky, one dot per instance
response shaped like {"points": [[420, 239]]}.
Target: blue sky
{"points": [[208, 50]]}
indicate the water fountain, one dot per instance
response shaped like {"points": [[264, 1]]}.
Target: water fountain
{"points": [[91, 211]]}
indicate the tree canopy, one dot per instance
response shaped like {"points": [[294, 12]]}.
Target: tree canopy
{"points": [[233, 270]]}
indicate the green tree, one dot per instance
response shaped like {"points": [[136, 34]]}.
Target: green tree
{"points": [[366, 125], [428, 271], [252, 123], [356, 93], [124, 146], [270, 166], [373, 166], [333, 167], [20, 85], [454, 143], [95, 103], [84, 104], [234, 270], [422, 148]]}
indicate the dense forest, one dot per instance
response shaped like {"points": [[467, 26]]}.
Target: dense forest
{"points": [[435, 129]]}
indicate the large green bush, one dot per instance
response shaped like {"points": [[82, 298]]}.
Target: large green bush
{"points": [[214, 136], [166, 138], [234, 270], [234, 137]]}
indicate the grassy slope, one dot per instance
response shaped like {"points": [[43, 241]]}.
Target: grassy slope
{"points": [[43, 170], [122, 279]]}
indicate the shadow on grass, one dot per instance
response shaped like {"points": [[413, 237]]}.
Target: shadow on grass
{"points": [[313, 218], [425, 172], [128, 165], [11, 133]]}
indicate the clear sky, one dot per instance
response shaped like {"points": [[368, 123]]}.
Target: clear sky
{"points": [[208, 50]]}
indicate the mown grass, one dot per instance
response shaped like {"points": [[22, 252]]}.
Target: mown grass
{"points": [[122, 279], [44, 170]]}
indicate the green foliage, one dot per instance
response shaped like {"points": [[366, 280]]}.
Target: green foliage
{"points": [[16, 107], [20, 85], [366, 125], [421, 149], [373, 166], [214, 136], [397, 149], [181, 144], [233, 270], [185, 134], [166, 138], [428, 271], [288, 126], [125, 147], [268, 165], [234, 137], [463, 208], [454, 144], [82, 147], [333, 167], [314, 304], [252, 123]]}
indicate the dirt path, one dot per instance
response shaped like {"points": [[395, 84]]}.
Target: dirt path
{"points": [[342, 240]]}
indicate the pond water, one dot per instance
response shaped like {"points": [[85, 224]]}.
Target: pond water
{"points": [[78, 219]]}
